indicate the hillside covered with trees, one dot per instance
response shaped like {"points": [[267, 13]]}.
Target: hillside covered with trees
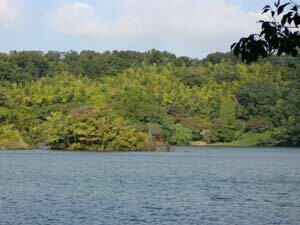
{"points": [[125, 100]]}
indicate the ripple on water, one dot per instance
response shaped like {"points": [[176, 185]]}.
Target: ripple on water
{"points": [[190, 186]]}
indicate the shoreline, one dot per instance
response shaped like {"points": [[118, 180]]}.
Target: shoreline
{"points": [[173, 148], [205, 144]]}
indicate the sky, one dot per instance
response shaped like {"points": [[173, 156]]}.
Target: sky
{"points": [[191, 28]]}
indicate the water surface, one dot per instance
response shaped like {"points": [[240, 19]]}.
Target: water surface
{"points": [[189, 186]]}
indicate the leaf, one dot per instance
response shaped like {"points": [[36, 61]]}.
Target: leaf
{"points": [[265, 10], [297, 20], [281, 8], [295, 8], [232, 46], [284, 19], [272, 13]]}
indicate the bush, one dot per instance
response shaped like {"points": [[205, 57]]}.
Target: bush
{"points": [[197, 125], [257, 125], [90, 129], [11, 139], [230, 77], [181, 135], [252, 140], [225, 131]]}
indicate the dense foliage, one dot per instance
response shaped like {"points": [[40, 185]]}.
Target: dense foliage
{"points": [[131, 100]]}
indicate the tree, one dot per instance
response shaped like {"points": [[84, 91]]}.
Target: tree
{"points": [[279, 35], [128, 100], [87, 128], [226, 128], [257, 98], [31, 62], [181, 135], [10, 138]]}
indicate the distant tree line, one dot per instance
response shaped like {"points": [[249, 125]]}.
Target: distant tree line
{"points": [[129, 100]]}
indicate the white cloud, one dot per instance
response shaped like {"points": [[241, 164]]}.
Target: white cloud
{"points": [[181, 26], [76, 19], [10, 12]]}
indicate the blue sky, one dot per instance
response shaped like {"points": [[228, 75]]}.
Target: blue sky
{"points": [[185, 27]]}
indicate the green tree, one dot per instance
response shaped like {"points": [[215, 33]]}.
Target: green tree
{"points": [[181, 135], [91, 129], [226, 127], [257, 98], [10, 138]]}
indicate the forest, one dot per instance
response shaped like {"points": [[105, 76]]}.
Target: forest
{"points": [[132, 101]]}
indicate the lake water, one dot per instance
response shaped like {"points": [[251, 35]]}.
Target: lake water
{"points": [[190, 186]]}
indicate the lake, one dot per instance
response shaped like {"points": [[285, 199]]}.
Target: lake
{"points": [[189, 186]]}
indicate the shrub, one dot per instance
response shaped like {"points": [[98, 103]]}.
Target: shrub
{"points": [[181, 135], [11, 139], [90, 129], [257, 125]]}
